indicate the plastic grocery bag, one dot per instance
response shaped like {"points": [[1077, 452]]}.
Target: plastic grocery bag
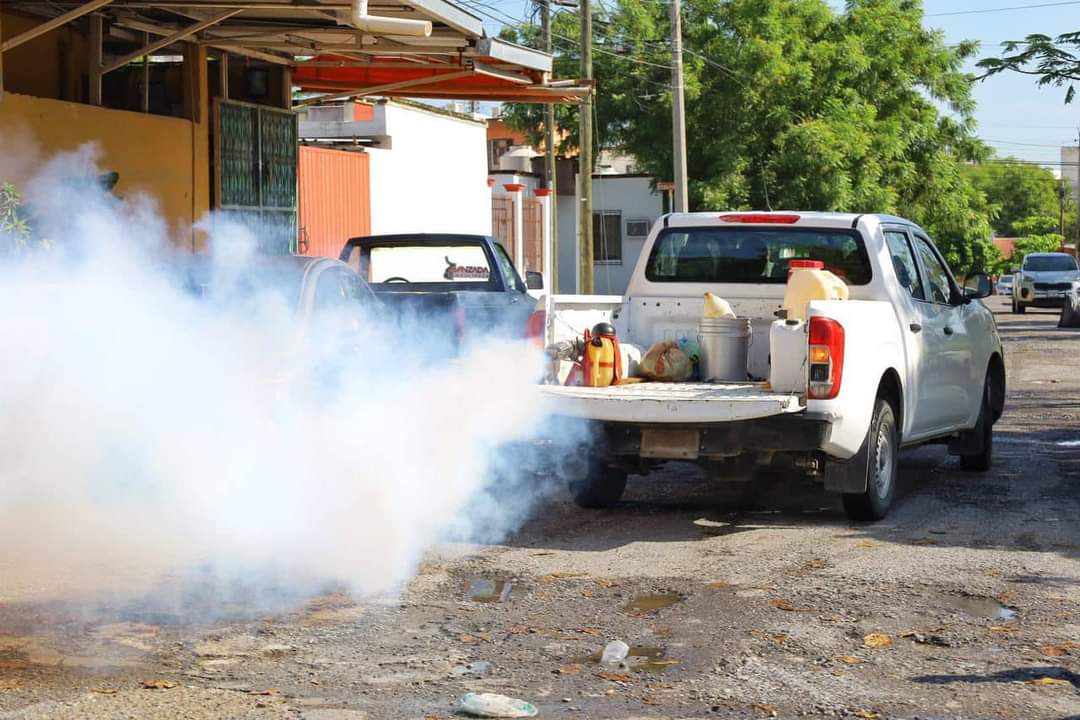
{"points": [[496, 706], [666, 362]]}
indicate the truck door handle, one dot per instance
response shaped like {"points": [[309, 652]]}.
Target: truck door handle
{"points": [[948, 330], [915, 327]]}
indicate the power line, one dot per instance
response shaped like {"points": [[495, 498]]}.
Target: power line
{"points": [[1001, 9], [1017, 142]]}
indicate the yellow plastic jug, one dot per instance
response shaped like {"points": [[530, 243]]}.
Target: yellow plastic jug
{"points": [[717, 307], [809, 280]]}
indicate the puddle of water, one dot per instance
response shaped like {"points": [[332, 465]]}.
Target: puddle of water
{"points": [[649, 604], [487, 590], [983, 607], [640, 658]]}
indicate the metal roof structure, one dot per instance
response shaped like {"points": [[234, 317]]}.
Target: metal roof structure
{"points": [[342, 48]]}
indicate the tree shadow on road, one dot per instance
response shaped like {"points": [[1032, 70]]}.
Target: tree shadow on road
{"points": [[1026, 503], [1026, 675]]}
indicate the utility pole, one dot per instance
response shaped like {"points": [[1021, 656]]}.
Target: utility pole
{"points": [[585, 259], [550, 170], [678, 110]]}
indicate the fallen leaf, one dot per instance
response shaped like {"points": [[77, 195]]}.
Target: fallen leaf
{"points": [[1054, 650], [1001, 628], [268, 691], [1051, 681], [779, 638], [9, 685], [769, 710], [650, 700], [849, 659], [105, 691], [877, 640], [783, 605], [718, 585], [595, 632], [663, 663], [571, 669], [586, 593], [542, 553], [159, 684], [519, 629], [866, 714], [869, 544], [605, 583], [612, 676]]}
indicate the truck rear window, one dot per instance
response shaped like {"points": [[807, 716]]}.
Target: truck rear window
{"points": [[753, 255], [429, 264]]}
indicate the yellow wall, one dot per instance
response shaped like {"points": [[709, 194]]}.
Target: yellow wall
{"points": [[153, 154]]}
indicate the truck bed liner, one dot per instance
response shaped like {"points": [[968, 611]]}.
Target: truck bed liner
{"points": [[671, 402]]}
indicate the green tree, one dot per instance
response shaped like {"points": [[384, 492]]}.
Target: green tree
{"points": [[791, 104], [1050, 242], [14, 231], [1016, 192], [1055, 61]]}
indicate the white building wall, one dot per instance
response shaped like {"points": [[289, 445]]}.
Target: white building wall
{"points": [[632, 197], [433, 178]]}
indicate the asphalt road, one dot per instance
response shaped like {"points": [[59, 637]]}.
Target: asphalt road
{"points": [[748, 601]]}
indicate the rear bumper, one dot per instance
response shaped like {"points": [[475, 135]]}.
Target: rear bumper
{"points": [[790, 432]]}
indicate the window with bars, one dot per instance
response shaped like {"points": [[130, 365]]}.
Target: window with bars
{"points": [[607, 236]]}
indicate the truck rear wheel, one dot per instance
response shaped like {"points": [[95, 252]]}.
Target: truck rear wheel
{"points": [[601, 487], [1017, 306], [882, 451]]}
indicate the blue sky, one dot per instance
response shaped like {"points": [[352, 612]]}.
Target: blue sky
{"points": [[1014, 116]]}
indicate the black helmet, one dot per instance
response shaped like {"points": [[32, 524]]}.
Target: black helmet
{"points": [[603, 329]]}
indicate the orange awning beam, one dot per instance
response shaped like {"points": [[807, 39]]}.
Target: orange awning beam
{"points": [[387, 88]]}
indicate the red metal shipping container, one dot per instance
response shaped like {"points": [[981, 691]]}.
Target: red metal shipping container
{"points": [[335, 199]]}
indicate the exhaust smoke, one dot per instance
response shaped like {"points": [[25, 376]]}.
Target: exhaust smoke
{"points": [[152, 431]]}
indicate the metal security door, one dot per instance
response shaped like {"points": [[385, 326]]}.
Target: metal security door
{"points": [[255, 151], [502, 222]]}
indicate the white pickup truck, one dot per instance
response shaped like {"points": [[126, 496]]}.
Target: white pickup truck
{"points": [[912, 357]]}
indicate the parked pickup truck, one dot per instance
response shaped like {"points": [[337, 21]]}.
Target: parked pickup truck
{"points": [[911, 357], [1044, 281], [467, 283]]}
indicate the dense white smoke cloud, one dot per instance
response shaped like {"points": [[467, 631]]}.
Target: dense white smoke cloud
{"points": [[146, 431]]}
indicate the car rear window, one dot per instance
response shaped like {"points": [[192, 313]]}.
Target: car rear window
{"points": [[753, 254], [467, 264], [1049, 263]]}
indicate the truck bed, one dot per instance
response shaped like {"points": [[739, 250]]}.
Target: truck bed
{"points": [[656, 402]]}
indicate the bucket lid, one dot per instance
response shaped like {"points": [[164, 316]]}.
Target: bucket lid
{"points": [[810, 264]]}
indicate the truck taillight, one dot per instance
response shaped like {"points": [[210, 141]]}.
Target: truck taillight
{"points": [[825, 358], [535, 327], [459, 325]]}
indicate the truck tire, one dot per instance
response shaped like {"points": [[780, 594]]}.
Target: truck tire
{"points": [[984, 430], [882, 450], [601, 487]]}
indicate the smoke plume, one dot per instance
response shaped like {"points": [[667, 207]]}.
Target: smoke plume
{"points": [[152, 428]]}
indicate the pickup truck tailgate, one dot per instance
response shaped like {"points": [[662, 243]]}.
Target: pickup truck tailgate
{"points": [[670, 402]]}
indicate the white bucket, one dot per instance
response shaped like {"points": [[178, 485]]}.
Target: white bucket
{"points": [[724, 344]]}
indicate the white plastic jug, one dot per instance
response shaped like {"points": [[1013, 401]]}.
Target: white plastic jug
{"points": [[787, 355], [809, 280]]}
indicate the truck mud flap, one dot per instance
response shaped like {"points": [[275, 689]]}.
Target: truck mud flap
{"points": [[781, 433], [848, 476]]}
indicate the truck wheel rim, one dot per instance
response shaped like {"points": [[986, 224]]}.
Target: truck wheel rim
{"points": [[883, 476]]}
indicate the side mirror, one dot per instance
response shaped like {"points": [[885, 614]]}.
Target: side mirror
{"points": [[977, 285], [534, 280]]}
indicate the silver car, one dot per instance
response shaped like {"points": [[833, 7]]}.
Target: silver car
{"points": [[1044, 280], [1004, 285]]}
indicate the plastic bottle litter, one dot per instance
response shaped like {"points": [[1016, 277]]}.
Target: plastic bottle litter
{"points": [[496, 706], [614, 652], [717, 307]]}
